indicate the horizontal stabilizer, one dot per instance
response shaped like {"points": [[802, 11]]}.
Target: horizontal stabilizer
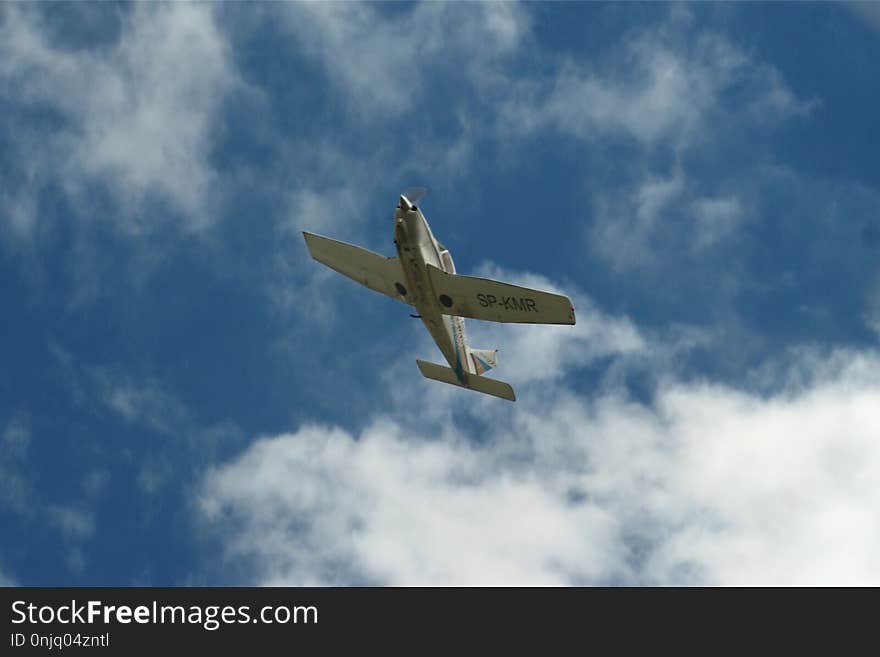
{"points": [[479, 383], [494, 301]]}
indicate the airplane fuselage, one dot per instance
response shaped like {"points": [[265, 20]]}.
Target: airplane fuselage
{"points": [[416, 248], [423, 276]]}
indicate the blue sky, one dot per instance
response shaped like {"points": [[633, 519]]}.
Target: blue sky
{"points": [[187, 398]]}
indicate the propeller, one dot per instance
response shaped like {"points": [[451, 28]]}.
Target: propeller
{"points": [[415, 194]]}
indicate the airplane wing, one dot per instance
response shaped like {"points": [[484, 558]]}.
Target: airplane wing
{"points": [[481, 298], [367, 268]]}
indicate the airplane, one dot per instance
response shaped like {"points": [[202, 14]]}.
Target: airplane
{"points": [[423, 275]]}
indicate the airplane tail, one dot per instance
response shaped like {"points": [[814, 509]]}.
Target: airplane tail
{"points": [[479, 383], [483, 360]]}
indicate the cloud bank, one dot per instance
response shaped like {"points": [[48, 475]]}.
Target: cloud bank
{"points": [[126, 116], [702, 484]]}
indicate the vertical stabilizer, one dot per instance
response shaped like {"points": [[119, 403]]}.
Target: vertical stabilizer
{"points": [[483, 360]]}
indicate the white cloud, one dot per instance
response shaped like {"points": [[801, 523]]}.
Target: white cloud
{"points": [[704, 484], [95, 483], [654, 195], [15, 489], [138, 114], [73, 523], [869, 12], [711, 486], [17, 435], [379, 59], [174, 431], [389, 508], [872, 311], [76, 561], [141, 402], [5, 580], [715, 219], [629, 223], [668, 83], [684, 97], [145, 412]]}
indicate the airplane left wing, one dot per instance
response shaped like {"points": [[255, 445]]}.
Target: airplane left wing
{"points": [[367, 268], [482, 298]]}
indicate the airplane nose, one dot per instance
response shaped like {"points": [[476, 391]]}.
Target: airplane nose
{"points": [[405, 204]]}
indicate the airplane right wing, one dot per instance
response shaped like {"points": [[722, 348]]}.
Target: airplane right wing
{"points": [[367, 268], [482, 298]]}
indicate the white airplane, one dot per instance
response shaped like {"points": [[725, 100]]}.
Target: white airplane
{"points": [[422, 275]]}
